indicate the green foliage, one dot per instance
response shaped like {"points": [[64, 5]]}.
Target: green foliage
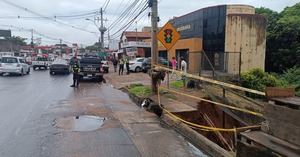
{"points": [[17, 40], [290, 78], [177, 84], [142, 91], [257, 79], [283, 36]]}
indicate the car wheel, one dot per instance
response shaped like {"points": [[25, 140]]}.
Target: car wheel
{"points": [[138, 69], [34, 67], [100, 79], [144, 71], [28, 72], [22, 72], [1, 74]]}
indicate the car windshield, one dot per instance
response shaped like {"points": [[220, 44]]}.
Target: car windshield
{"points": [[91, 60], [9, 60], [42, 59], [60, 62]]}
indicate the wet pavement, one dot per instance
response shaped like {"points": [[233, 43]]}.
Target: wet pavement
{"points": [[42, 116]]}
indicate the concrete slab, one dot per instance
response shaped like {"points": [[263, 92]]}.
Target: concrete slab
{"points": [[173, 105]]}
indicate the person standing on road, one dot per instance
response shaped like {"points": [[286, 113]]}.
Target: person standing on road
{"points": [[183, 69], [127, 64], [75, 69], [121, 66], [115, 63], [174, 67]]}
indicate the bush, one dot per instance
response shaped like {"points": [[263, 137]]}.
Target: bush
{"points": [[290, 78], [257, 79], [177, 84], [142, 91]]}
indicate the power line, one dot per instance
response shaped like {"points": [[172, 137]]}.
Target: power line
{"points": [[36, 32], [40, 15], [118, 8], [104, 8], [125, 27], [124, 13], [118, 34]]}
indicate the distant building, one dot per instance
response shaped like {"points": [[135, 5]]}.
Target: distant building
{"points": [[5, 43], [132, 43], [233, 38]]}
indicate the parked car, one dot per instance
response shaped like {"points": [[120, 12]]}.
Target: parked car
{"points": [[136, 64], [146, 65], [60, 66], [14, 65], [91, 68], [105, 66]]}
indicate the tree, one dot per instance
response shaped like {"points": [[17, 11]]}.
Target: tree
{"points": [[283, 37], [17, 40], [94, 47]]}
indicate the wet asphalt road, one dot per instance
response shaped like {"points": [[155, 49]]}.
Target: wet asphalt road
{"points": [[40, 113]]}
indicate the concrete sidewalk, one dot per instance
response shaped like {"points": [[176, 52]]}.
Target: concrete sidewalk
{"points": [[120, 81]]}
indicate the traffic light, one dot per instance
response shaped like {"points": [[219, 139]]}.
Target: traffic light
{"points": [[168, 35], [32, 45]]}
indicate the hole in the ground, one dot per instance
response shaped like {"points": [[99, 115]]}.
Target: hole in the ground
{"points": [[211, 115]]}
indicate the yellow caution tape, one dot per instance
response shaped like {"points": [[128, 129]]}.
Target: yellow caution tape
{"points": [[216, 103], [212, 81], [202, 127]]}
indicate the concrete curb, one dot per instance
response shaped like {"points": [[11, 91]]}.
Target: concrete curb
{"points": [[198, 139]]}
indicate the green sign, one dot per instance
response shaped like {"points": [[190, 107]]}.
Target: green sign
{"points": [[102, 54]]}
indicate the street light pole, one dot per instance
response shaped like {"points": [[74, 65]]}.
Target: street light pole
{"points": [[101, 29], [98, 29]]}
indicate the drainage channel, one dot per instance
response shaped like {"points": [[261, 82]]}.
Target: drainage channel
{"points": [[80, 123], [210, 115]]}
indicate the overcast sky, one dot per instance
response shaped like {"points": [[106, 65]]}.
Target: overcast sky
{"points": [[71, 25]]}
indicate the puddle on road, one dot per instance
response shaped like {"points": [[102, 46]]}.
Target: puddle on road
{"points": [[80, 123]]}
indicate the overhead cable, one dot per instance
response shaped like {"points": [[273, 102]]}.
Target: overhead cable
{"points": [[48, 18]]}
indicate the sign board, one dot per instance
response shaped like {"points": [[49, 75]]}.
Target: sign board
{"points": [[168, 36], [135, 44]]}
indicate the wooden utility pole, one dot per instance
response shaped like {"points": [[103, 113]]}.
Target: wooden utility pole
{"points": [[154, 49]]}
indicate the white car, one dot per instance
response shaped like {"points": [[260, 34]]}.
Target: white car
{"points": [[136, 64], [105, 66], [14, 65]]}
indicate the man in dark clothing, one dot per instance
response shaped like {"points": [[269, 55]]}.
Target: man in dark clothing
{"points": [[76, 70], [121, 68], [127, 64], [115, 63]]}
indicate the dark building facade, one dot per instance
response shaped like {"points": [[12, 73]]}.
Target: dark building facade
{"points": [[229, 35]]}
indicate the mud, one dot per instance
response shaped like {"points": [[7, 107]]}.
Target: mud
{"points": [[219, 119]]}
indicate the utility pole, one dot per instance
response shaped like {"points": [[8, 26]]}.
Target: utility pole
{"points": [[154, 49], [102, 29], [60, 44], [31, 44]]}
